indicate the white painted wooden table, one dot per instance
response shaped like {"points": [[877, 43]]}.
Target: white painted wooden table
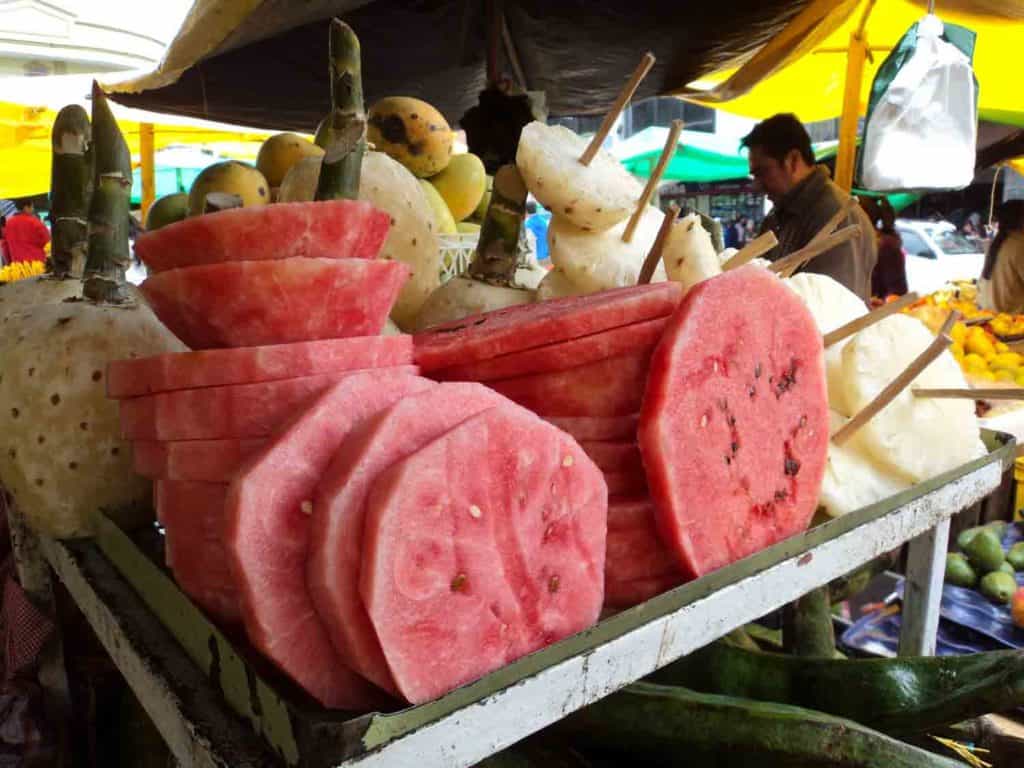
{"points": [[480, 719]]}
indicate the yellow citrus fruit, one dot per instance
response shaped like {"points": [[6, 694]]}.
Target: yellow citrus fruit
{"points": [[957, 349], [959, 333], [974, 362], [1000, 347], [1004, 374]]}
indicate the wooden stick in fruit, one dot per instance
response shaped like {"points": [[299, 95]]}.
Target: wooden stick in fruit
{"points": [[1007, 393], [652, 183], [654, 256], [71, 183], [785, 267], [756, 248], [345, 128], [109, 253], [901, 382], [646, 62], [858, 325]]}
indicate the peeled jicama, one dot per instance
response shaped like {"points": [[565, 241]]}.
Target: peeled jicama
{"points": [[598, 261], [593, 197], [832, 305], [914, 437], [556, 285], [689, 256]]}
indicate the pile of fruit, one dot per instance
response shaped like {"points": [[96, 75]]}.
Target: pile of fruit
{"points": [[983, 564], [21, 270]]}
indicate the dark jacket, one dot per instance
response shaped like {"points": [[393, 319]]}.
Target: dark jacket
{"points": [[803, 212], [890, 275]]}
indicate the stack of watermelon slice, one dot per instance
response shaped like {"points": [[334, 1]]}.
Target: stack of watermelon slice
{"points": [[581, 364], [272, 274]]}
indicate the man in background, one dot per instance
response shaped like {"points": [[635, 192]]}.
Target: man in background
{"points": [[805, 198], [25, 236]]}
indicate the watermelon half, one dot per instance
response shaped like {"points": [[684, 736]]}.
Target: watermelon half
{"points": [[249, 365], [525, 326], [586, 428], [206, 461], [267, 526], [335, 229], [483, 546], [338, 511], [254, 303], [735, 423]]}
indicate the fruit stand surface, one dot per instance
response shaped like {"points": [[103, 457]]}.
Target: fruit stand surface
{"points": [[184, 671]]}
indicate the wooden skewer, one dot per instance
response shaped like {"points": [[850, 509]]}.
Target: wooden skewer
{"points": [[897, 385], [790, 264], [784, 266], [977, 321], [652, 183], [759, 246], [1007, 393], [837, 218], [646, 62], [858, 325], [654, 255]]}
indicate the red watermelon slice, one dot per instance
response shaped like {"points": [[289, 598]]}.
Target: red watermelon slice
{"points": [[734, 426], [249, 365], [193, 518], [561, 356], [267, 535], [233, 411], [336, 229], [628, 512], [338, 512], [611, 387], [481, 547], [638, 553], [585, 428], [625, 594], [252, 303], [525, 326], [207, 461], [625, 483], [611, 456]]}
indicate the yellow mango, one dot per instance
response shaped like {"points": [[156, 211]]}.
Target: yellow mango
{"points": [[957, 349], [959, 333], [974, 362], [444, 223], [986, 375], [462, 184], [1005, 375], [1006, 360], [980, 344], [1001, 347]]}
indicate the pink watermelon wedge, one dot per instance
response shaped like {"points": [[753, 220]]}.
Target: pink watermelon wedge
{"points": [[249, 365], [206, 461], [621, 594], [525, 326], [638, 553], [234, 411], [585, 428], [267, 526], [481, 547], [193, 518], [613, 456], [336, 229], [562, 355], [253, 303], [628, 512], [630, 483], [734, 426], [338, 511], [610, 387]]}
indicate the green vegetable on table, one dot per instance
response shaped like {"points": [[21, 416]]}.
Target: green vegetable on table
{"points": [[998, 586], [998, 528], [1015, 556], [959, 571], [985, 551]]}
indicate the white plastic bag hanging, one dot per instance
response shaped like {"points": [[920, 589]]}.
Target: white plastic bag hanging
{"points": [[922, 126]]}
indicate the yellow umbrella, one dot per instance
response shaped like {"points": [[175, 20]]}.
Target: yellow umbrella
{"points": [[806, 69], [25, 134]]}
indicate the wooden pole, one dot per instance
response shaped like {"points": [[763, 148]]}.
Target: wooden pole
{"points": [[855, 58], [147, 166]]}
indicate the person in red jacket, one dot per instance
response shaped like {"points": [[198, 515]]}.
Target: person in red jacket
{"points": [[25, 236]]}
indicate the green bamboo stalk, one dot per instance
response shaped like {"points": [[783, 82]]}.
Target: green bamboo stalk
{"points": [[343, 133], [110, 208], [497, 251], [71, 185]]}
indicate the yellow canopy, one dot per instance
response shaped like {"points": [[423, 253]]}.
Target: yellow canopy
{"points": [[26, 120], [809, 81]]}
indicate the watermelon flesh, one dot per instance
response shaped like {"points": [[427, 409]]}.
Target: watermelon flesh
{"points": [[207, 461], [335, 229], [562, 355], [610, 387], [525, 326], [734, 425], [587, 428], [625, 483], [620, 594], [481, 547], [233, 411], [613, 456], [338, 512], [250, 365], [192, 515], [254, 303], [267, 518]]}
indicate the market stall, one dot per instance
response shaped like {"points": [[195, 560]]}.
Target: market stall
{"points": [[392, 549]]}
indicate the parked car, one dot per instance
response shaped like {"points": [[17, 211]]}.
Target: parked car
{"points": [[937, 254]]}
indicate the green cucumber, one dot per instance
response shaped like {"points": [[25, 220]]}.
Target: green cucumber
{"points": [[669, 726], [898, 696]]}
